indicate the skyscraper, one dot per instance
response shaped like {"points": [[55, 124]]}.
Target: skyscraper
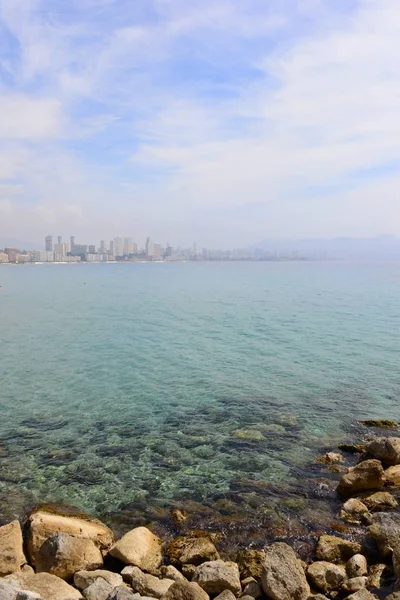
{"points": [[102, 248], [48, 243], [118, 246], [111, 252], [128, 246], [149, 247], [92, 249], [59, 240], [72, 242]]}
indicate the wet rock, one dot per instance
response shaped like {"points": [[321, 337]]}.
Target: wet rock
{"points": [[217, 575], [63, 555], [146, 584], [380, 501], [381, 423], [192, 550], [171, 572], [385, 529], [179, 516], [122, 593], [392, 475], [352, 448], [185, 590], [11, 548], [386, 449], [355, 584], [375, 575], [98, 590], [354, 511], [330, 458], [139, 547], [45, 522], [361, 595], [357, 566], [367, 475], [282, 576], [49, 587], [250, 563], [251, 587], [225, 595], [83, 579], [334, 549], [326, 576]]}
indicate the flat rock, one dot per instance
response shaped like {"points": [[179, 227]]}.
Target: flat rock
{"points": [[99, 590], [217, 575], [336, 550], [139, 547], [386, 449], [63, 555], [148, 585], [367, 475], [392, 475], [326, 576], [185, 590], [43, 523], [83, 579], [380, 501], [11, 549], [283, 577], [49, 587], [357, 566], [192, 550]]}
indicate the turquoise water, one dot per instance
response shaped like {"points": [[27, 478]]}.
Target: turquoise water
{"points": [[129, 386]]}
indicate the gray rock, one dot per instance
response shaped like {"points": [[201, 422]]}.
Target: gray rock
{"points": [[49, 587], [385, 529], [139, 547], [336, 550], [225, 595], [217, 575], [357, 566], [354, 584], [171, 572], [63, 555], [83, 579], [282, 576], [386, 449], [367, 475], [185, 590], [122, 593], [8, 591], [11, 549], [251, 587], [99, 590], [148, 585], [326, 576]]}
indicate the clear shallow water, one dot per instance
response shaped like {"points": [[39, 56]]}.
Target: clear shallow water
{"points": [[126, 387]]}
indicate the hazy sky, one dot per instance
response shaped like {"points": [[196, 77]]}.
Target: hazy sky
{"points": [[217, 121]]}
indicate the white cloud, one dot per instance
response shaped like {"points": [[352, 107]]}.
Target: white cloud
{"points": [[29, 118]]}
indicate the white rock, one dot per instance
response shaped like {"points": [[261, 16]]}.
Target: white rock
{"points": [[99, 590]]}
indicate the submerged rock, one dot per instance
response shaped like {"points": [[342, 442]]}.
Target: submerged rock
{"points": [[336, 550], [139, 547], [11, 548], [381, 423], [367, 475], [330, 458], [63, 555], [218, 575], [386, 449], [326, 576], [282, 576]]}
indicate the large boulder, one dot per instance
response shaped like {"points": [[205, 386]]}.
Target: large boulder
{"points": [[217, 575], [185, 590], [326, 576], [385, 529], [250, 562], [63, 555], [11, 549], [354, 511], [139, 547], [192, 550], [357, 566], [84, 579], [49, 587], [282, 576], [45, 522], [380, 501], [336, 550], [367, 475], [392, 475], [146, 584], [386, 449]]}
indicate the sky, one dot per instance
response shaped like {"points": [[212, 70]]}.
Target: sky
{"points": [[220, 122]]}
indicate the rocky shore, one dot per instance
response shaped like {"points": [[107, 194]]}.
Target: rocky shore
{"points": [[59, 554]]}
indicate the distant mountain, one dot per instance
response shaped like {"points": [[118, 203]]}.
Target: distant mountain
{"points": [[343, 248], [20, 244]]}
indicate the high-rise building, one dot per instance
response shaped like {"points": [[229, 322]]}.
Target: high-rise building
{"points": [[61, 249], [59, 240], [118, 246], [102, 248], [111, 250], [157, 251], [48, 243], [92, 249], [128, 246], [72, 242], [149, 247]]}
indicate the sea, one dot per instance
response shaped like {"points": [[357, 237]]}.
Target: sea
{"points": [[131, 389]]}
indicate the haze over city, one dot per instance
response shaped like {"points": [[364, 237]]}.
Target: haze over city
{"points": [[216, 121]]}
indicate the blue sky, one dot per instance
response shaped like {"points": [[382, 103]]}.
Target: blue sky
{"points": [[216, 121]]}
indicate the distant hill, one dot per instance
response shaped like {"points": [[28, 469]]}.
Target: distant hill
{"points": [[378, 248]]}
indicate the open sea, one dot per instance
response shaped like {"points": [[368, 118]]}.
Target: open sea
{"points": [[128, 389]]}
